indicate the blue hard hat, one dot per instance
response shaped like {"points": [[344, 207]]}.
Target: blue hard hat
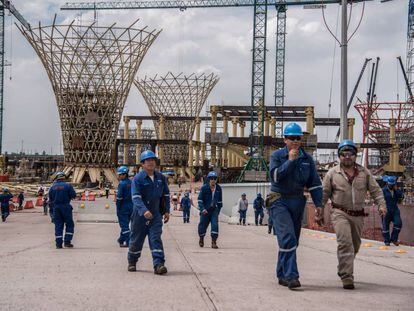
{"points": [[212, 174], [122, 170], [5, 189], [347, 143], [187, 194], [385, 178], [293, 129], [147, 154], [60, 175], [391, 180], [259, 195]]}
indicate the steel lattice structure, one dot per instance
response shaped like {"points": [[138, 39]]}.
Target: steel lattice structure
{"points": [[176, 95], [91, 69]]}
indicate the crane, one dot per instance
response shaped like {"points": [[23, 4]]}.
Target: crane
{"points": [[257, 161], [5, 4]]}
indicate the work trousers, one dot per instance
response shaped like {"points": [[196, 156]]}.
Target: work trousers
{"points": [[394, 217], [63, 218], [5, 212], [205, 220], [258, 220], [186, 214], [124, 217], [242, 216]]}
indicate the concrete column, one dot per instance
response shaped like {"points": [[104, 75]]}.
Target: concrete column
{"points": [[138, 134], [393, 123], [310, 120], [242, 127], [190, 154], [273, 127], [213, 111], [351, 123], [126, 136], [234, 121], [225, 131], [233, 159], [203, 152], [161, 130], [394, 161], [198, 140], [267, 125]]}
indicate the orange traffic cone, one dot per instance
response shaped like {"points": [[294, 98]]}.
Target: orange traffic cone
{"points": [[83, 198], [91, 197], [28, 204], [15, 200], [11, 207], [39, 201]]}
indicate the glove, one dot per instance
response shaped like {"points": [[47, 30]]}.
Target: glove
{"points": [[166, 217], [382, 211], [204, 212], [319, 219]]}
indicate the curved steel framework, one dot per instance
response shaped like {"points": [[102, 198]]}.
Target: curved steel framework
{"points": [[176, 95], [91, 69]]}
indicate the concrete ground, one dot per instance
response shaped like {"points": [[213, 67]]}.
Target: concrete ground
{"points": [[238, 276]]}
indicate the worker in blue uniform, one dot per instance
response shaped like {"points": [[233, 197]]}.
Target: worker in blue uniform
{"points": [[5, 198], [291, 170], [209, 203], [124, 205], [258, 205], [151, 199], [392, 196], [60, 195], [186, 206]]}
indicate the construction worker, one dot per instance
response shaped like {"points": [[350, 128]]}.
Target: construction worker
{"points": [[5, 198], [258, 205], [392, 196], [243, 206], [124, 205], [186, 206], [20, 199], [291, 170], [175, 201], [45, 204], [60, 195], [151, 199], [209, 203], [107, 191], [346, 185]]}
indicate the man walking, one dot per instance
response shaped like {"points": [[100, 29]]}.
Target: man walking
{"points": [[258, 205], [124, 205], [60, 195], [291, 170], [346, 185], [392, 196], [151, 199], [209, 203], [20, 199], [243, 206], [186, 207], [5, 198]]}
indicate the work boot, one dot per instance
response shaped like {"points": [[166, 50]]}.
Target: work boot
{"points": [[387, 243], [214, 244], [201, 241], [294, 283], [283, 282], [160, 269], [348, 284], [68, 245], [132, 267], [269, 231], [123, 245], [396, 243], [59, 246]]}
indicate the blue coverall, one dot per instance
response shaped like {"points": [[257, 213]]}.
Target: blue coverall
{"points": [[60, 195], [258, 205], [212, 204], [186, 206], [124, 209], [147, 196], [289, 178], [393, 215], [5, 198]]}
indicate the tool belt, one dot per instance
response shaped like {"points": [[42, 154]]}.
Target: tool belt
{"points": [[273, 196], [359, 213]]}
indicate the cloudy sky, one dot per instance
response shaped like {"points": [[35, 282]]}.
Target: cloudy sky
{"points": [[212, 40]]}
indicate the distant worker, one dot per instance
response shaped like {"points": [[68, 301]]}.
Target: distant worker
{"points": [[107, 191], [346, 185], [258, 205], [392, 196], [41, 191], [5, 198], [291, 170], [175, 201], [124, 206], [210, 203], [45, 204], [151, 199], [243, 205], [186, 207], [20, 200], [60, 195]]}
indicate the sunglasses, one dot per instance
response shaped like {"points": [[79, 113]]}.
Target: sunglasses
{"points": [[294, 138], [347, 154]]}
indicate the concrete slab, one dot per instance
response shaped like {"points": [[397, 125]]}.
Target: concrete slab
{"points": [[238, 276]]}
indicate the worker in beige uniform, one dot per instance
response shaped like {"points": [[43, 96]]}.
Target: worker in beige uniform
{"points": [[346, 185]]}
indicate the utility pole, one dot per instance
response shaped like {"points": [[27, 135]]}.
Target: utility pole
{"points": [[344, 72]]}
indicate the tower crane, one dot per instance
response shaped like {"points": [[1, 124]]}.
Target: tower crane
{"points": [[5, 5]]}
